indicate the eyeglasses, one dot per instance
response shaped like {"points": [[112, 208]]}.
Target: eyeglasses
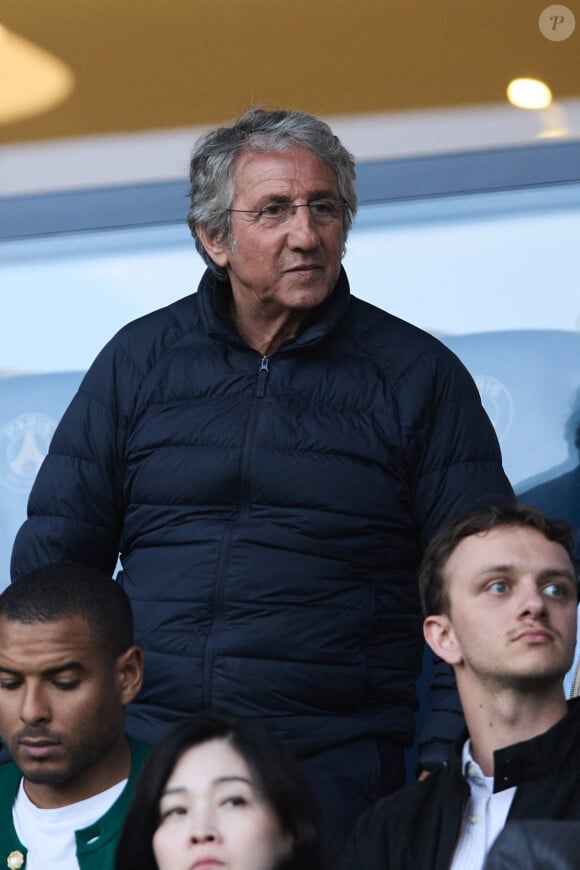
{"points": [[322, 212]]}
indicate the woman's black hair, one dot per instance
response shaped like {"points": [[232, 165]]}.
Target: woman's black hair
{"points": [[278, 775]]}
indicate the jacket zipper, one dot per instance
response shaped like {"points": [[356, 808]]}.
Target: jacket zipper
{"points": [[263, 372], [262, 376], [219, 586], [217, 607]]}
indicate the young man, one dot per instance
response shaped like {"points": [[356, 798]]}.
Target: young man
{"points": [[499, 591], [68, 668]]}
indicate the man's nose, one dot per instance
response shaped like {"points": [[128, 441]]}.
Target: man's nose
{"points": [[302, 228], [533, 602], [34, 708]]}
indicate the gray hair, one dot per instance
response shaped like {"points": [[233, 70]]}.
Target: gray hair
{"points": [[211, 170]]}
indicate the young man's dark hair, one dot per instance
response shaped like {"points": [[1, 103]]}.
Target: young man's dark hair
{"points": [[71, 589], [432, 586]]}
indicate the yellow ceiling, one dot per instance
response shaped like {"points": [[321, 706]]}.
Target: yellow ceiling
{"points": [[148, 64]]}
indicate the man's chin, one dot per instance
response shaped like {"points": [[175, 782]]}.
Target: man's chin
{"points": [[539, 681], [44, 774], [42, 771]]}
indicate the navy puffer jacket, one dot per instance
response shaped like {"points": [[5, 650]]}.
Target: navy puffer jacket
{"points": [[270, 512]]}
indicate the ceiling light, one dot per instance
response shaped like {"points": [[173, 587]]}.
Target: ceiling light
{"points": [[529, 94], [32, 80]]}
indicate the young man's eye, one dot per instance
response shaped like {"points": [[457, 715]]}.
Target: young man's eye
{"points": [[10, 685], [498, 587], [66, 685], [555, 590]]}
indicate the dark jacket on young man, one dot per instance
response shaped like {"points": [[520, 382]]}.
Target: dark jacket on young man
{"points": [[418, 827], [271, 512]]}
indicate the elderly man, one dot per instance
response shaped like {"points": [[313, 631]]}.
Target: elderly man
{"points": [[269, 457], [500, 594]]}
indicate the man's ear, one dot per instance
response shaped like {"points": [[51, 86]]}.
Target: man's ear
{"points": [[129, 673], [439, 634], [215, 247]]}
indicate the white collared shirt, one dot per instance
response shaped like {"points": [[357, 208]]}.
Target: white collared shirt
{"points": [[486, 815]]}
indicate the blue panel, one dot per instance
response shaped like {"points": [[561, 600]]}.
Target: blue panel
{"points": [[30, 408], [382, 181]]}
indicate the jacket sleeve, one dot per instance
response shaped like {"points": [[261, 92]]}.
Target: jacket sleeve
{"points": [[455, 467], [76, 506], [444, 722], [368, 846]]}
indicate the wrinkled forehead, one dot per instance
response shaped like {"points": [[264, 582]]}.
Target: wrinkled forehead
{"points": [[285, 163]]}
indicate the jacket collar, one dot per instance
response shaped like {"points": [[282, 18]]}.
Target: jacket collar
{"points": [[108, 827], [215, 295], [531, 759]]}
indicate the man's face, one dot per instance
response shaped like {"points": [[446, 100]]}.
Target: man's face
{"points": [[294, 266], [513, 609], [61, 708]]}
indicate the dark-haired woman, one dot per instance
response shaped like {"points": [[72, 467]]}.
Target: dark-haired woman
{"points": [[221, 794]]}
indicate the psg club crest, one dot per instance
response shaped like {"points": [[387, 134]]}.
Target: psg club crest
{"points": [[24, 443]]}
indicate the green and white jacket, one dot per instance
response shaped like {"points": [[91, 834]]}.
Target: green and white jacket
{"points": [[96, 845]]}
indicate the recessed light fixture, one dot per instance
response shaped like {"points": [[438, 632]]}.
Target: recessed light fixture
{"points": [[32, 80], [529, 94]]}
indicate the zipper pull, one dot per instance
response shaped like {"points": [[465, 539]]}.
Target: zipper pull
{"points": [[262, 375]]}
